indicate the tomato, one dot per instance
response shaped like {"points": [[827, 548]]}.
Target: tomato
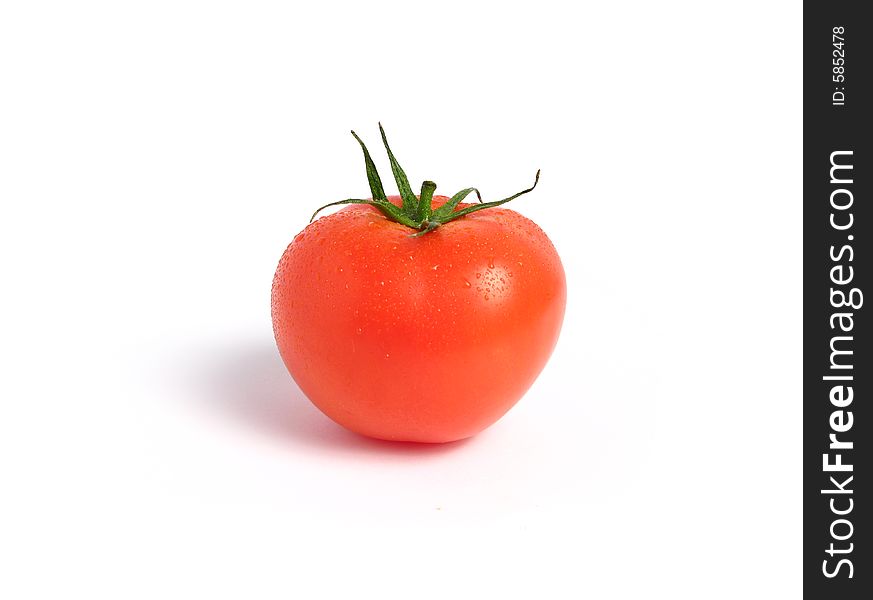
{"points": [[428, 334]]}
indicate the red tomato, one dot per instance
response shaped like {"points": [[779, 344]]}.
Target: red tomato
{"points": [[427, 339]]}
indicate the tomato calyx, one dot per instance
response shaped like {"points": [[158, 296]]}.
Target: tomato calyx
{"points": [[415, 212]]}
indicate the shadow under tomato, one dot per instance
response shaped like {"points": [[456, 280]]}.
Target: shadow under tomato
{"points": [[251, 385]]}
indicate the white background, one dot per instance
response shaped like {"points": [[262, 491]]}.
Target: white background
{"points": [[155, 160]]}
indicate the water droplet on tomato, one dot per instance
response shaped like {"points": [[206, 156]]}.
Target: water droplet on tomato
{"points": [[359, 331], [466, 283]]}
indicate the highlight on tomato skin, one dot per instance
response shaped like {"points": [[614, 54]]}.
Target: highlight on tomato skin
{"points": [[417, 317]]}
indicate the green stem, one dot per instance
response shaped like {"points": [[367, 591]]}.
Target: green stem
{"points": [[425, 200]]}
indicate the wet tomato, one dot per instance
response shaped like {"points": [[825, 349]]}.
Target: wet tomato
{"points": [[414, 317]]}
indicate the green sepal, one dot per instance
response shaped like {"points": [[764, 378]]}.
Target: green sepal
{"points": [[428, 226], [388, 209], [484, 205], [410, 202], [447, 208], [373, 178]]}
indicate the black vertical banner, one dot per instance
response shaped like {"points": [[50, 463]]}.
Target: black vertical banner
{"points": [[837, 335]]}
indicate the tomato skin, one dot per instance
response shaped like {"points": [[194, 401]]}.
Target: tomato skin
{"points": [[426, 339]]}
